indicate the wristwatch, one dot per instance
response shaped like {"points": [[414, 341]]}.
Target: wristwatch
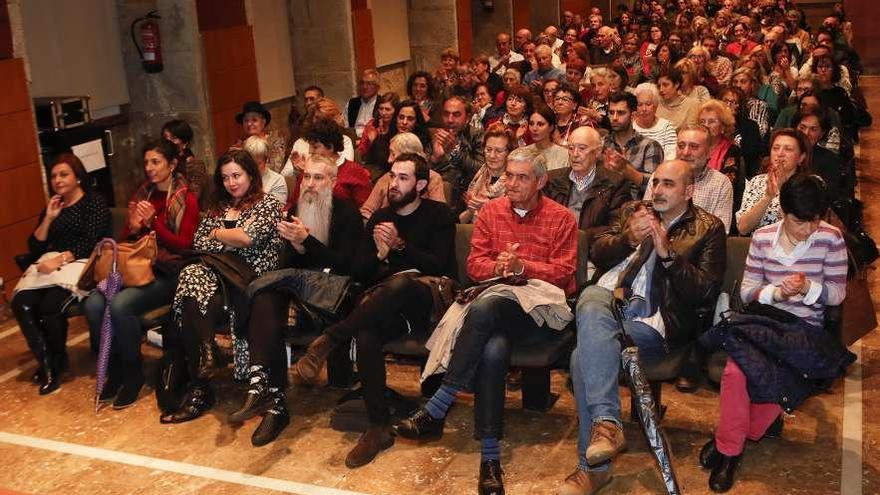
{"points": [[670, 257]]}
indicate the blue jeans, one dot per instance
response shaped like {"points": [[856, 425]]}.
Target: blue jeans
{"points": [[481, 357], [595, 363], [125, 311]]}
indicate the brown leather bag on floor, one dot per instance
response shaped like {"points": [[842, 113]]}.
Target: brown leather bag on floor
{"points": [[135, 263]]}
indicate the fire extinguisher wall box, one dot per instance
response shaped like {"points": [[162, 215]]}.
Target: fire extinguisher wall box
{"points": [[55, 113]]}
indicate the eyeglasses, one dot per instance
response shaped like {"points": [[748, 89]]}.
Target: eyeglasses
{"points": [[494, 151], [730, 102], [564, 99]]}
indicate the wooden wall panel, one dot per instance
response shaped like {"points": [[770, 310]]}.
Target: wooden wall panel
{"points": [[14, 242], [231, 68], [13, 87], [866, 36], [6, 49], [21, 182], [364, 42], [17, 187], [522, 15], [217, 14], [465, 29], [582, 7], [18, 141]]}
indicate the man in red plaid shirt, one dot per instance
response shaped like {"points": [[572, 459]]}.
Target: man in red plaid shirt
{"points": [[525, 234]]}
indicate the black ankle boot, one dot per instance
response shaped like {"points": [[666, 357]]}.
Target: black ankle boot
{"points": [[114, 381], [709, 455], [131, 383], [208, 362], [491, 480], [257, 399], [274, 421], [723, 473], [51, 380], [199, 399]]}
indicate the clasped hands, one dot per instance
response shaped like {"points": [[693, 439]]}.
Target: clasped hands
{"points": [[386, 237], [294, 231], [508, 262], [792, 285]]}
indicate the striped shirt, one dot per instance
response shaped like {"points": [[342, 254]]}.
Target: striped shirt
{"points": [[664, 133], [822, 258]]}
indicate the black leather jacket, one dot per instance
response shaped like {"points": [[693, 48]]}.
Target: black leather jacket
{"points": [[689, 286]]}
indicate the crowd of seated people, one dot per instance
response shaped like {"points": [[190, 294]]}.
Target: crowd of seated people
{"points": [[658, 133]]}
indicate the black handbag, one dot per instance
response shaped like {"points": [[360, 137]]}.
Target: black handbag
{"points": [[327, 294]]}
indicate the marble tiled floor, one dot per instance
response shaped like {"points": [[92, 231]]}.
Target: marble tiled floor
{"points": [[129, 452]]}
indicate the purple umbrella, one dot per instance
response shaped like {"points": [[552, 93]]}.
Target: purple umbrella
{"points": [[110, 286]]}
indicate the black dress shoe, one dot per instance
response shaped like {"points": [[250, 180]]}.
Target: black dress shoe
{"points": [[198, 400], [722, 476], [709, 455], [491, 481], [258, 399], [775, 429], [419, 426], [686, 385], [273, 423]]}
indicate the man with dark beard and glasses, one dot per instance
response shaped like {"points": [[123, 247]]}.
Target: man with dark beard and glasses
{"points": [[411, 238], [318, 237]]}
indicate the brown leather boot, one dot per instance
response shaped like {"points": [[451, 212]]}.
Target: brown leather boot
{"points": [[309, 366], [585, 482], [374, 440], [606, 441]]}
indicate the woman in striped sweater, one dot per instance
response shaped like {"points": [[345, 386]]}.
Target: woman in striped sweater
{"points": [[798, 265]]}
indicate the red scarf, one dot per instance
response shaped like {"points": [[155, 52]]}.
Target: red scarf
{"points": [[719, 153]]}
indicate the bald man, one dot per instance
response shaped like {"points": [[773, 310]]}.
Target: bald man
{"points": [[505, 56], [666, 260], [713, 191], [522, 35], [593, 193]]}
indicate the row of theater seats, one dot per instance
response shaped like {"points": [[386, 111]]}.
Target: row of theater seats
{"points": [[534, 362]]}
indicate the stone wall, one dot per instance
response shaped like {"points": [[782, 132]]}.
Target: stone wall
{"points": [[487, 24], [179, 91], [323, 47], [432, 27]]}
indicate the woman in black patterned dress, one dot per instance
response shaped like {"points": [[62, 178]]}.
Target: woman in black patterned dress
{"points": [[242, 221]]}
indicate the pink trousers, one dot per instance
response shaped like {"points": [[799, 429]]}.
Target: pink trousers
{"points": [[740, 419]]}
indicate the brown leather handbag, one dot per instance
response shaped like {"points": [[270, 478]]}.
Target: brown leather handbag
{"points": [[135, 263]]}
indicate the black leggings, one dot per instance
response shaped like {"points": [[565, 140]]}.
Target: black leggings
{"points": [[266, 327], [198, 328]]}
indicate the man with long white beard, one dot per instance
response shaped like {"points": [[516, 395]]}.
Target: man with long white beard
{"points": [[318, 237]]}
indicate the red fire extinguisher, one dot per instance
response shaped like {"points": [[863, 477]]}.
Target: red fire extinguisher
{"points": [[151, 53]]}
